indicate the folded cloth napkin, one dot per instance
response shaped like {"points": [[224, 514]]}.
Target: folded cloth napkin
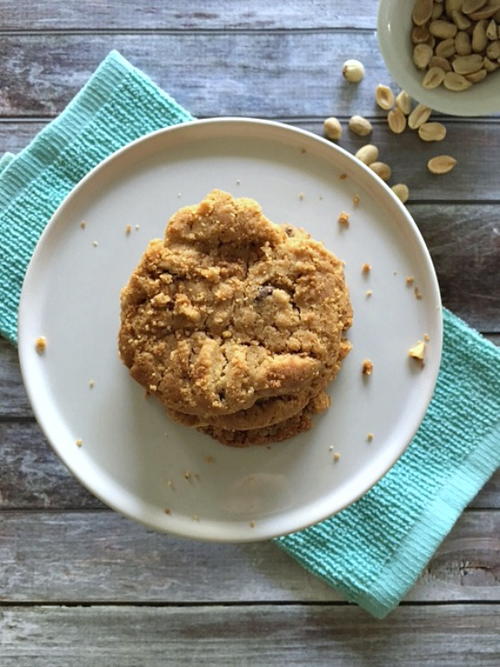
{"points": [[374, 550]]}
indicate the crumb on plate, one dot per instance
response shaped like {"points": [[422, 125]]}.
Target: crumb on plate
{"points": [[343, 219], [368, 292], [128, 229], [167, 511], [417, 352], [79, 442], [41, 344], [410, 280], [370, 437], [418, 293], [209, 459], [336, 457], [356, 200], [83, 224], [366, 268], [367, 367]]}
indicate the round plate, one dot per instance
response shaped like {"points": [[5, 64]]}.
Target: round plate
{"points": [[173, 478]]}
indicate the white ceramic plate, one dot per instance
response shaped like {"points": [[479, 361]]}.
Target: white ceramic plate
{"points": [[133, 457], [393, 31]]}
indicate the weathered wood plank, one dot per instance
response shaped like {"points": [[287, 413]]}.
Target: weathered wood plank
{"points": [[32, 477], [263, 635], [286, 74], [100, 556], [474, 179], [13, 399], [181, 15]]}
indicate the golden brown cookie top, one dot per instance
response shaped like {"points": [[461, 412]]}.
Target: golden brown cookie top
{"points": [[230, 309]]}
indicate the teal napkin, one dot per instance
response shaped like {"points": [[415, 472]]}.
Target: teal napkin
{"points": [[374, 550]]}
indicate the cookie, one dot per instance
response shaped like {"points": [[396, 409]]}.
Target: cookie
{"points": [[282, 431], [230, 311]]}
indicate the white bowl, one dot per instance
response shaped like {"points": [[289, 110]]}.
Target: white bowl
{"points": [[393, 29]]}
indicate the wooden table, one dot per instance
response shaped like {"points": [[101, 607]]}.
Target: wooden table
{"points": [[81, 585]]}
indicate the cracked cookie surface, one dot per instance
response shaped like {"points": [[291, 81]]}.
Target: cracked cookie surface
{"points": [[232, 321]]}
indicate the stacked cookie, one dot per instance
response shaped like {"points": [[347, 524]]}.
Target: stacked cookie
{"points": [[234, 323]]}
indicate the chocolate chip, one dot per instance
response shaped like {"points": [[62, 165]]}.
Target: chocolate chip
{"points": [[264, 291]]}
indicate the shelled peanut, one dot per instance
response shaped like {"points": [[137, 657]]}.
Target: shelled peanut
{"points": [[456, 43]]}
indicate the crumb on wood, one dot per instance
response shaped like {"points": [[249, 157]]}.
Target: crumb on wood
{"points": [[83, 224], [368, 293], [128, 229], [343, 177], [409, 281], [366, 268], [209, 459], [356, 200], [79, 442], [41, 344], [343, 219], [168, 511], [336, 457], [418, 293], [367, 367], [370, 437]]}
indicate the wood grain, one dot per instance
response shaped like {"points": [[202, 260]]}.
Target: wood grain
{"points": [[180, 15], [474, 179], [285, 74], [257, 636], [103, 557]]}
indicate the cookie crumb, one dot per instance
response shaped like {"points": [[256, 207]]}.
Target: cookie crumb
{"points": [[301, 196], [367, 367], [336, 457], [368, 293], [343, 177], [238, 182], [167, 511], [252, 524], [187, 475], [366, 268], [370, 437], [179, 195], [170, 484], [195, 517], [128, 229], [410, 280], [417, 352], [95, 244], [418, 293], [78, 442], [196, 476], [330, 449], [427, 338], [303, 150], [209, 459], [41, 344], [91, 384], [356, 200], [83, 224], [343, 219], [137, 227]]}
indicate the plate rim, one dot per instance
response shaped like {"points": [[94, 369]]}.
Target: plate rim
{"points": [[197, 532]]}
